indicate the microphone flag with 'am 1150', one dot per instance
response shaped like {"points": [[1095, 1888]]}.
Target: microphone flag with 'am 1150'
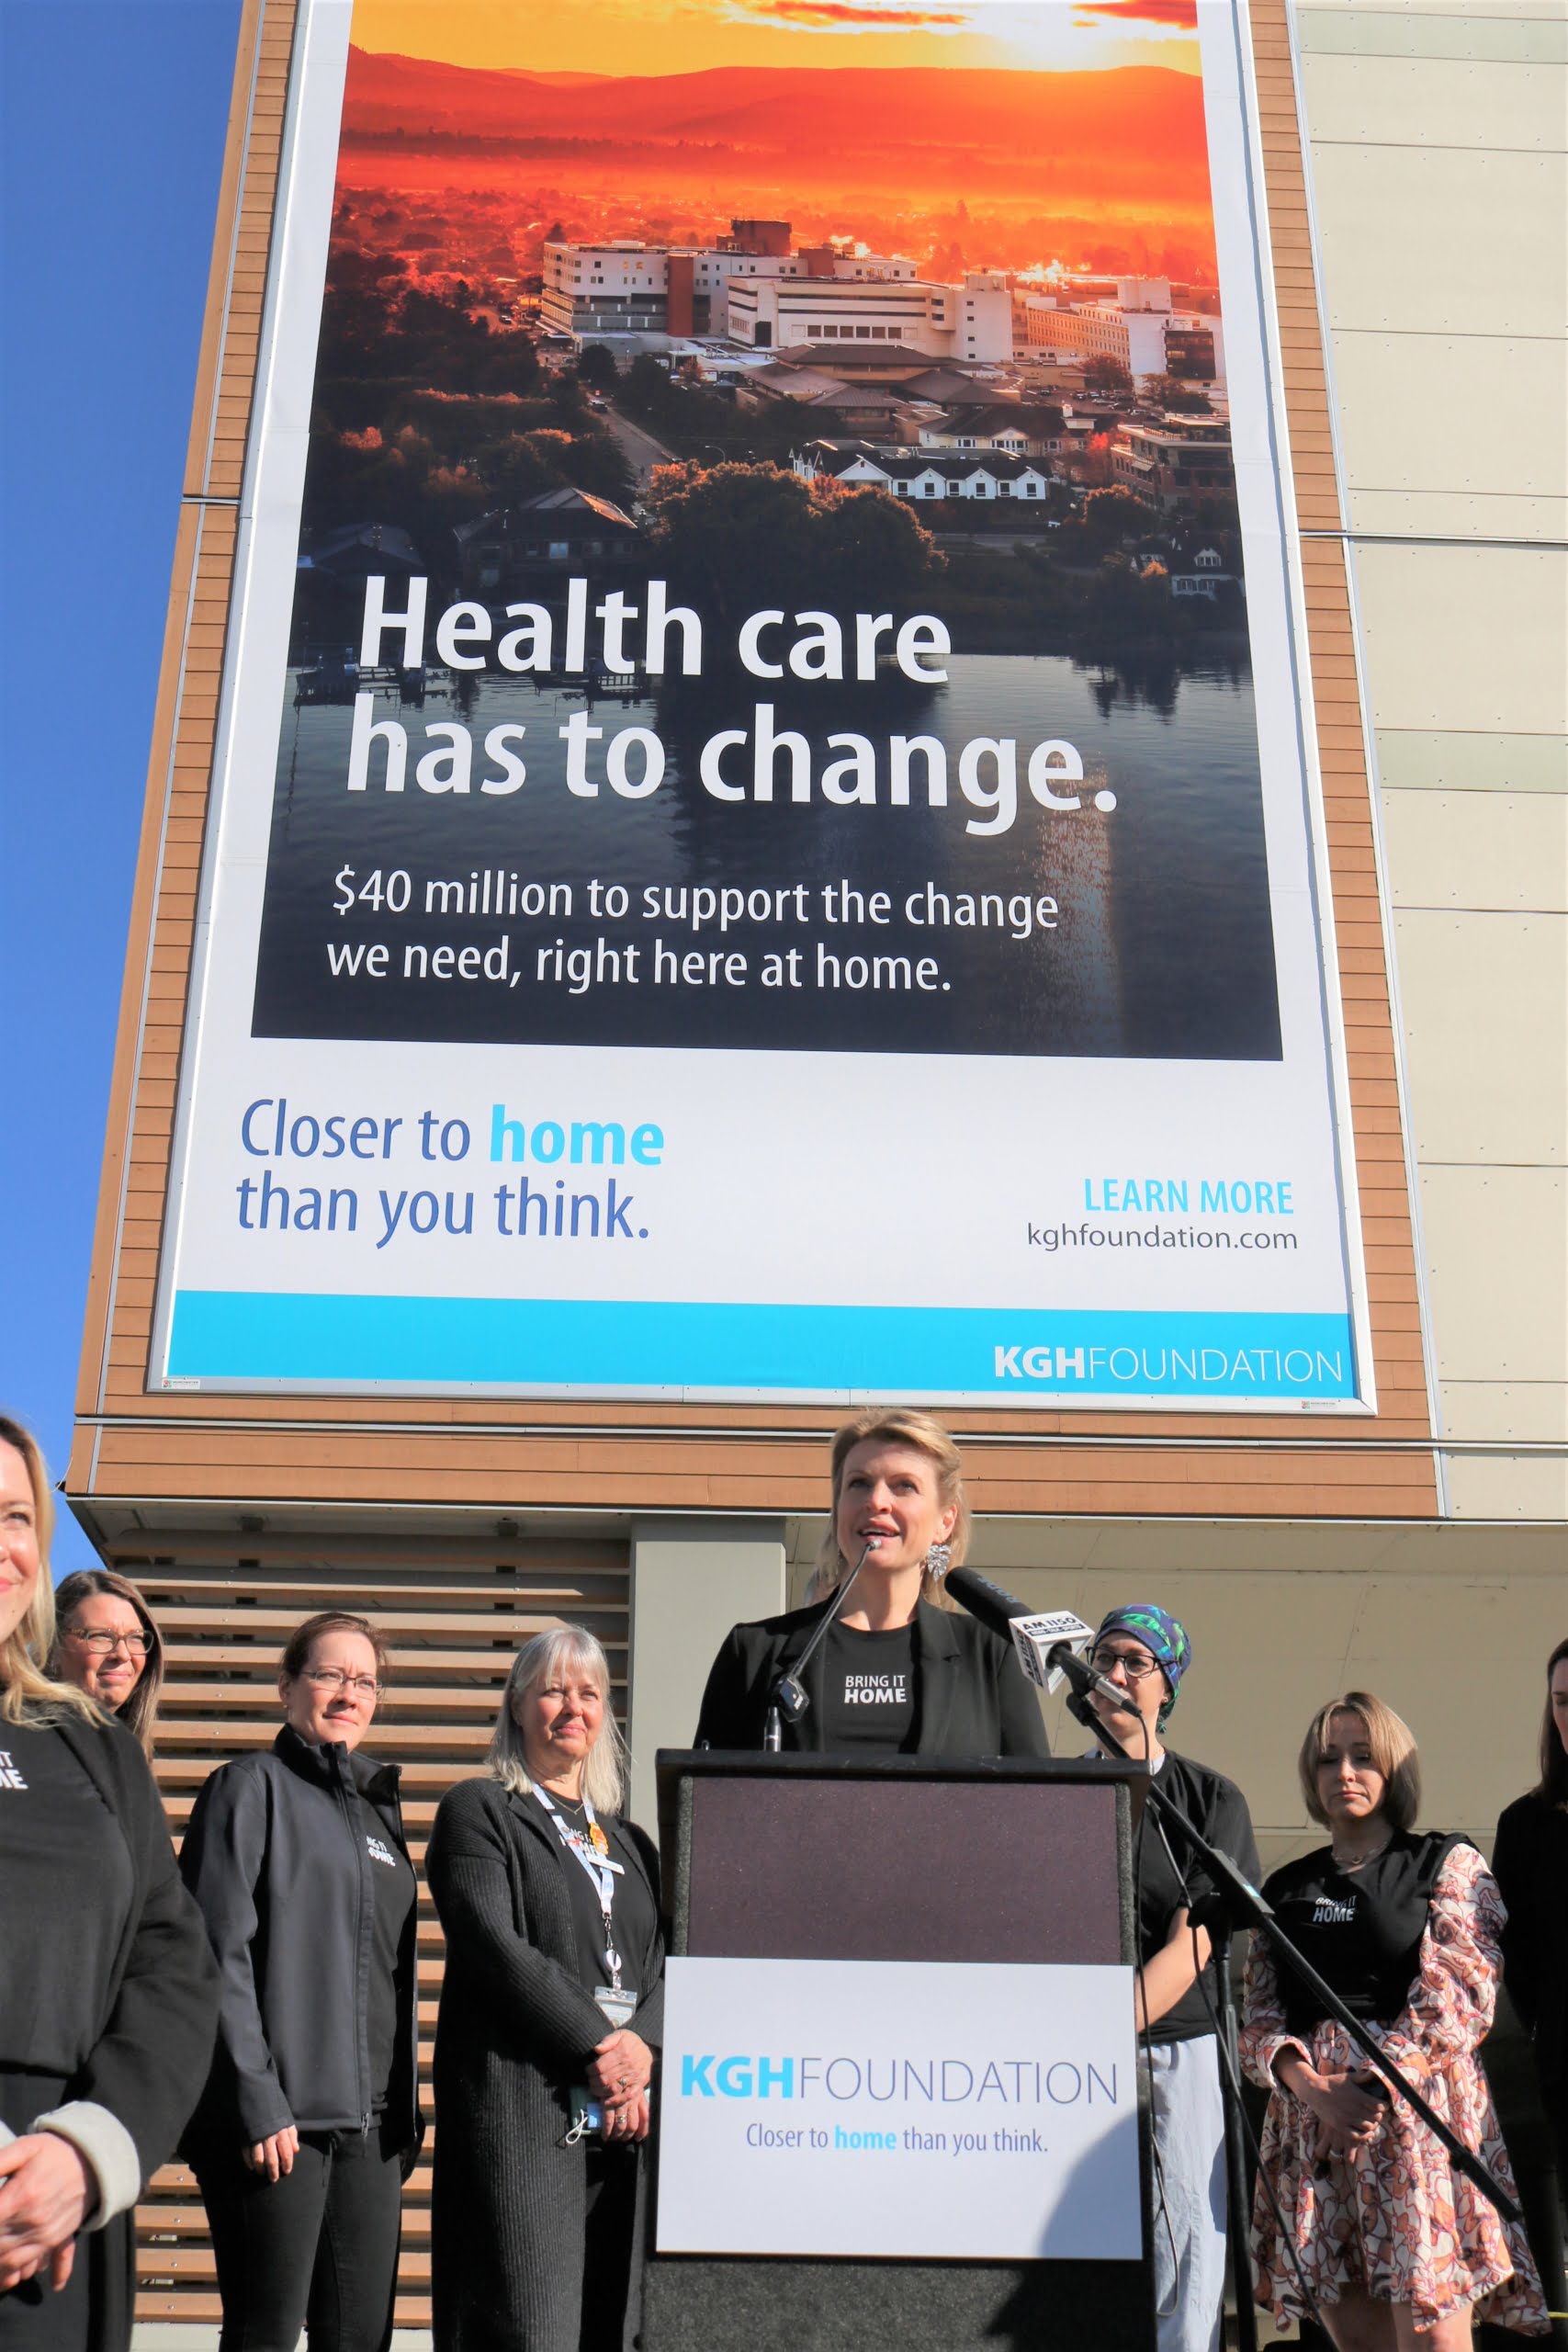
{"points": [[1036, 1634]]}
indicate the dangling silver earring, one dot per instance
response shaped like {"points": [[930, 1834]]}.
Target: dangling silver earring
{"points": [[938, 1559]]}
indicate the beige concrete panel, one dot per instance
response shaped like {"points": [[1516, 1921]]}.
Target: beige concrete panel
{"points": [[1485, 1005], [1457, 30], [691, 1581], [1460, 414], [1451, 1670], [1423, 240], [1149, 1551], [1434, 102], [1501, 852], [1463, 11], [1428, 758], [1497, 1272], [1508, 1485], [1465, 638], [1453, 514], [1531, 1410]]}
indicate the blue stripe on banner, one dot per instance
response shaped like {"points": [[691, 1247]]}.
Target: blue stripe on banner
{"points": [[604, 1345]]}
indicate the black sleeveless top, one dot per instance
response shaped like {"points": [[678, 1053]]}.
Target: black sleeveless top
{"points": [[1360, 1929]]}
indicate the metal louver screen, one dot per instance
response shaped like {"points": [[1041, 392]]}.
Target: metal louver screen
{"points": [[454, 1611]]}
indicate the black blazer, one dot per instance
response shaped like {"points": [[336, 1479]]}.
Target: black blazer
{"points": [[1529, 1863], [975, 1698], [515, 2033]]}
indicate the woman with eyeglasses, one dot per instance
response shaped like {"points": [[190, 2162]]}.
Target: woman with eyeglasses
{"points": [[106, 1645], [1144, 1651], [310, 2119]]}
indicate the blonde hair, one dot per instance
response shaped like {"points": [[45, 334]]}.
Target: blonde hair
{"points": [[604, 1767], [26, 1693], [140, 1712], [902, 1426], [1394, 1755]]}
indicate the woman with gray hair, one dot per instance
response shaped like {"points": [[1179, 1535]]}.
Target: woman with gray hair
{"points": [[551, 2013]]}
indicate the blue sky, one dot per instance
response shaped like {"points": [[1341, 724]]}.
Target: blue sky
{"points": [[112, 118]]}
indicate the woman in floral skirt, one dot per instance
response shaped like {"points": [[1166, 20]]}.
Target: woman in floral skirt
{"points": [[1399, 2251]]}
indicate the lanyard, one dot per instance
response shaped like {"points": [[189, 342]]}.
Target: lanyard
{"points": [[600, 1867]]}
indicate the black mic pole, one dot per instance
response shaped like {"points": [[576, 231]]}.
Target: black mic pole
{"points": [[1244, 1901], [789, 1695], [1236, 2182]]}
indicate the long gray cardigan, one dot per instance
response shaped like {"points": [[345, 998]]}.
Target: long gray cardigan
{"points": [[514, 2035]]}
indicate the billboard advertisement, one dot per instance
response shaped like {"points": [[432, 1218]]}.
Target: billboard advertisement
{"points": [[762, 842]]}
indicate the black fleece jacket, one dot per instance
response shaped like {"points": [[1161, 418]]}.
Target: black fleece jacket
{"points": [[276, 1858], [154, 2018]]}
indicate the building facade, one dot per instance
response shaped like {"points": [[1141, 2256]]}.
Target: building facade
{"points": [[1137, 327], [629, 288]]}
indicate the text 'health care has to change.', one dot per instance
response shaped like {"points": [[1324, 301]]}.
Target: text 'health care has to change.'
{"points": [[634, 761]]}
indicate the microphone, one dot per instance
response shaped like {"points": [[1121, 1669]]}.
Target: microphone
{"points": [[1047, 1643], [789, 1696]]}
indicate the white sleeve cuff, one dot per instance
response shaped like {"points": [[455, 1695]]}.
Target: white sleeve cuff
{"points": [[106, 2148]]}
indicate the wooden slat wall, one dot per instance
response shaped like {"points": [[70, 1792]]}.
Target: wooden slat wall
{"points": [[454, 1611]]}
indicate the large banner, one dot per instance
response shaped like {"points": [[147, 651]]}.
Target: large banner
{"points": [[763, 842], [934, 2109]]}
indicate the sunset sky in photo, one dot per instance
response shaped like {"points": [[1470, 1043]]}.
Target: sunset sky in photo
{"points": [[692, 35]]}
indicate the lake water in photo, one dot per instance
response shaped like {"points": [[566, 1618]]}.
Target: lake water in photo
{"points": [[1159, 944]]}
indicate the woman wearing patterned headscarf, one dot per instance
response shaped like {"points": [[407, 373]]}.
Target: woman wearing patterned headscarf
{"points": [[1145, 1648]]}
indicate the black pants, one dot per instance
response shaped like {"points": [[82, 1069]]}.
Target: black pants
{"points": [[610, 2221], [316, 2249]]}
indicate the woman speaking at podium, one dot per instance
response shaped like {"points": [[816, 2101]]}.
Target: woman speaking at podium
{"points": [[897, 1671]]}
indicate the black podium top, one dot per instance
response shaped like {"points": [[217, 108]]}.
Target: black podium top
{"points": [[890, 1858]]}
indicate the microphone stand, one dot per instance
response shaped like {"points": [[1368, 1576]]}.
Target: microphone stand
{"points": [[1235, 2138], [1241, 1901], [789, 1695]]}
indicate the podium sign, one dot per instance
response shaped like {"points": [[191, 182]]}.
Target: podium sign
{"points": [[919, 2109], [898, 2110]]}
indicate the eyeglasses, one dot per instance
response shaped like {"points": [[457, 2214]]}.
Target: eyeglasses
{"points": [[1136, 1669], [333, 1677], [105, 1644]]}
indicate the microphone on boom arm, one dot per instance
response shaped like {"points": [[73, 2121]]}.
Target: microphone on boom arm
{"points": [[789, 1698], [1047, 1642]]}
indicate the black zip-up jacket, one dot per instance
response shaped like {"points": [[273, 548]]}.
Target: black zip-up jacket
{"points": [[276, 1858]]}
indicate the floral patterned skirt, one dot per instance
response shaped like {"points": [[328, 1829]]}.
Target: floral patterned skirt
{"points": [[1393, 2219]]}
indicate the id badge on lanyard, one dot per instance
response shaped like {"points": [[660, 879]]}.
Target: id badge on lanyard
{"points": [[616, 2001]]}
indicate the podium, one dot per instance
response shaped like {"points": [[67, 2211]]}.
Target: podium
{"points": [[899, 2108]]}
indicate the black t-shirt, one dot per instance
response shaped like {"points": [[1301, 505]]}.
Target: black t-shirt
{"points": [[392, 1879], [632, 1917], [869, 1694], [1217, 1807], [1360, 1929], [68, 1884]]}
